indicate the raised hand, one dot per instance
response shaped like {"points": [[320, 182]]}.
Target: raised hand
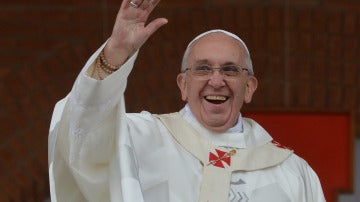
{"points": [[130, 31]]}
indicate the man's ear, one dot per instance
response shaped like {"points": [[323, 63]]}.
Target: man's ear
{"points": [[251, 86], [181, 82]]}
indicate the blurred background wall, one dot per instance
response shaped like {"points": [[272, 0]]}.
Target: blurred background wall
{"points": [[306, 55]]}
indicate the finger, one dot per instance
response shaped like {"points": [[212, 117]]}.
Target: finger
{"points": [[149, 5], [145, 4], [155, 25], [133, 4]]}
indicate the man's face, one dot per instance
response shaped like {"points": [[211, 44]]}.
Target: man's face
{"points": [[216, 101]]}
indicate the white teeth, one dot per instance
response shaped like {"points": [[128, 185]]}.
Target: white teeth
{"points": [[215, 97]]}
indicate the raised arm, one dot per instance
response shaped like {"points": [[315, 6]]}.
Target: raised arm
{"points": [[131, 30], [88, 128]]}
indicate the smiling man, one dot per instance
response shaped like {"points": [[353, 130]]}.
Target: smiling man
{"points": [[206, 152], [215, 97]]}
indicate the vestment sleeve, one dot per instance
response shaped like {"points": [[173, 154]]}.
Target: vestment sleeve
{"points": [[313, 189], [308, 186], [84, 138]]}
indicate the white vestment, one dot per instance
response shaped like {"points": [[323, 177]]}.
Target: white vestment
{"points": [[97, 152]]}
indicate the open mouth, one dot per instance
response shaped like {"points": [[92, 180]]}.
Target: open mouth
{"points": [[216, 99]]}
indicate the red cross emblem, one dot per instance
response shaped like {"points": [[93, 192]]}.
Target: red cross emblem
{"points": [[279, 145], [220, 158]]}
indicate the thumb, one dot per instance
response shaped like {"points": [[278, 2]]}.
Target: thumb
{"points": [[155, 25]]}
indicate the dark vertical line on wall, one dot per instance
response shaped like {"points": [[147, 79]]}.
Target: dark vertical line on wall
{"points": [[105, 24], [286, 53], [207, 4], [342, 61], [327, 53], [312, 94]]}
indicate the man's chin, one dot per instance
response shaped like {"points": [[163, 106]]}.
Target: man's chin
{"points": [[216, 110], [217, 128], [216, 123]]}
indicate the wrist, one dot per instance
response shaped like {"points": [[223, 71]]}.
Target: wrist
{"points": [[103, 67], [115, 54]]}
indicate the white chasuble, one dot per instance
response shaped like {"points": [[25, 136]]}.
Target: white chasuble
{"points": [[98, 152], [218, 164]]}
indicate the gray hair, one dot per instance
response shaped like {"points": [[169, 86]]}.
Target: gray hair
{"points": [[187, 51]]}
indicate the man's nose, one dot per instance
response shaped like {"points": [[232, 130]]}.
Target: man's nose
{"points": [[216, 79]]}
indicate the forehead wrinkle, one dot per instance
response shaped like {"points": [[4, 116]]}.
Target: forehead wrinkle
{"points": [[198, 58], [205, 61]]}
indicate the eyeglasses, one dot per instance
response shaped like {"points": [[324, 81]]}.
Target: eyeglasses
{"points": [[205, 71]]}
